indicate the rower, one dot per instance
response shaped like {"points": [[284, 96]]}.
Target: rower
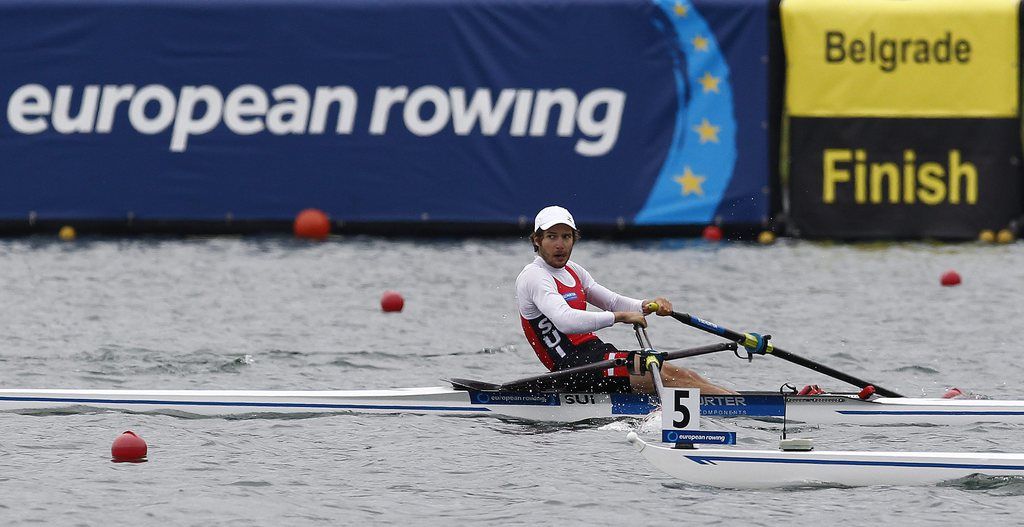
{"points": [[553, 292]]}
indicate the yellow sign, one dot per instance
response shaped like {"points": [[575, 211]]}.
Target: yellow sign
{"points": [[849, 171], [901, 58]]}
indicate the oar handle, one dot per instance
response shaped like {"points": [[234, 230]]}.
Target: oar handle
{"points": [[755, 343]]}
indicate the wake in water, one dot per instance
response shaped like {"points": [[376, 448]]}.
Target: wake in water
{"points": [[507, 348], [1004, 485], [810, 486], [112, 361], [917, 368]]}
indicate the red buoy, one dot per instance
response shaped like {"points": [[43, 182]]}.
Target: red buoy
{"points": [[950, 278], [312, 224], [391, 302], [868, 391], [128, 447], [712, 233]]}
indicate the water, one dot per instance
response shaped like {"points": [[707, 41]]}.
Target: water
{"points": [[271, 313]]}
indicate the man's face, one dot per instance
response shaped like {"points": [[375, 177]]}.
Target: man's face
{"points": [[556, 245]]}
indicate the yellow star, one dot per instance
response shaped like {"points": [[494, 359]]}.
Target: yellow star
{"points": [[680, 9], [690, 182], [700, 43], [709, 82], [707, 131]]}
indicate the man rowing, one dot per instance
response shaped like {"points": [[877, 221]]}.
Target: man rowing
{"points": [[553, 293]]}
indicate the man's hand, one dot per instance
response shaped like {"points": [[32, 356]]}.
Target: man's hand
{"points": [[631, 317], [664, 306]]}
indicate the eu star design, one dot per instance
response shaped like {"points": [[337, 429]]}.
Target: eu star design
{"points": [[690, 182], [700, 43], [709, 82], [703, 158], [707, 131]]}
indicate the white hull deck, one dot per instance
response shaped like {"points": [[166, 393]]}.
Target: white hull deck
{"points": [[431, 400], [558, 407], [742, 469]]}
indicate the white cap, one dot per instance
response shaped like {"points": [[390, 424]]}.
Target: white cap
{"points": [[551, 216]]}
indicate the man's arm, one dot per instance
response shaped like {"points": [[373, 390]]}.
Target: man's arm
{"points": [[631, 317], [605, 298], [538, 295], [609, 300]]}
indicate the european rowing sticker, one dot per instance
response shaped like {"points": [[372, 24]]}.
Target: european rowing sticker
{"points": [[569, 297], [536, 399], [698, 437]]}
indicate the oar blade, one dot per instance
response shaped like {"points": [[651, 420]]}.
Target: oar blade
{"points": [[469, 384]]}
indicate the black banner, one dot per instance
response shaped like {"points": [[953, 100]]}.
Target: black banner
{"points": [[905, 178]]}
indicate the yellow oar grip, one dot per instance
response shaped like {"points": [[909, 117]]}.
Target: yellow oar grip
{"points": [[750, 341], [652, 306]]}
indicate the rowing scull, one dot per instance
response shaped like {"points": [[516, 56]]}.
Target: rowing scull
{"points": [[536, 406]]}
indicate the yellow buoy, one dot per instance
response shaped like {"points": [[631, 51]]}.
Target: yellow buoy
{"points": [[766, 238], [67, 233], [1004, 236], [986, 236]]}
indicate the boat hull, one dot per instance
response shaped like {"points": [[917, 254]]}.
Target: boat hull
{"points": [[751, 469], [434, 400], [558, 407], [850, 409]]}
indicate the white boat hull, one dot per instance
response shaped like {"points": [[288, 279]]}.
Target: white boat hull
{"points": [[849, 409], [816, 409], [742, 469], [434, 400]]}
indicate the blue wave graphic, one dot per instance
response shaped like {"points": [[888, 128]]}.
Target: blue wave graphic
{"points": [[701, 159]]}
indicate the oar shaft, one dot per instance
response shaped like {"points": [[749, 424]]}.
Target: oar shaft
{"points": [[702, 350], [659, 385], [710, 327], [611, 363], [821, 368], [741, 338]]}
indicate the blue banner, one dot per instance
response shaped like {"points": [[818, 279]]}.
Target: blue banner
{"points": [[627, 112]]}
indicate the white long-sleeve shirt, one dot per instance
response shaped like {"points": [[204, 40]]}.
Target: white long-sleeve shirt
{"points": [[537, 294]]}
